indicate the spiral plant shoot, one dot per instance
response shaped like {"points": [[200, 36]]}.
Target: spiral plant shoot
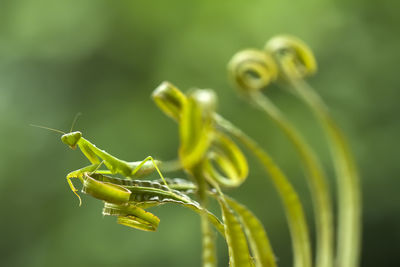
{"points": [[210, 154]]}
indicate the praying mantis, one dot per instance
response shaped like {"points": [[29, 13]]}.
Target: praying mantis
{"points": [[127, 198], [97, 157]]}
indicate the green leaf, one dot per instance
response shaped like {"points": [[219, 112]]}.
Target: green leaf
{"points": [[145, 194], [252, 70], [239, 255], [132, 216], [258, 239], [106, 191], [294, 54], [201, 144], [169, 99], [230, 160], [195, 128]]}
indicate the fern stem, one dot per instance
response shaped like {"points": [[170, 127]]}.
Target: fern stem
{"points": [[209, 253], [349, 199], [292, 205], [315, 175]]}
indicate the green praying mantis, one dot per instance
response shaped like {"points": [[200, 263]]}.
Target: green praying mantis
{"points": [[97, 156], [127, 198]]}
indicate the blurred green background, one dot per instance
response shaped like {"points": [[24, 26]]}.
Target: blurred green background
{"points": [[104, 58]]}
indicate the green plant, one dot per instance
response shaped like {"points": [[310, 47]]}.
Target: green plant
{"points": [[213, 162]]}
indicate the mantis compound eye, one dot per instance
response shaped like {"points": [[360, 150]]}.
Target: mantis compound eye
{"points": [[294, 56], [71, 139], [252, 70]]}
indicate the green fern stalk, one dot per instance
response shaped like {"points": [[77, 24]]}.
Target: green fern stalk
{"points": [[292, 205], [296, 61], [253, 70]]}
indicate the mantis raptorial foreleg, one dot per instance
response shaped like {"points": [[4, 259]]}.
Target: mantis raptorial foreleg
{"points": [[79, 175]]}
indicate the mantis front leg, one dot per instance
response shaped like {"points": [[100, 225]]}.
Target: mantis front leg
{"points": [[79, 175]]}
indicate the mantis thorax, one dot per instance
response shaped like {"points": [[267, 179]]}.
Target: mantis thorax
{"points": [[71, 139]]}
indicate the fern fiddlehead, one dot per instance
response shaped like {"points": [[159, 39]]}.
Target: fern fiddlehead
{"points": [[248, 69]]}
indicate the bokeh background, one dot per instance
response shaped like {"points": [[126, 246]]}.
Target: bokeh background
{"points": [[104, 58]]}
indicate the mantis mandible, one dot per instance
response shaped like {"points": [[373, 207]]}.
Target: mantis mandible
{"points": [[96, 156]]}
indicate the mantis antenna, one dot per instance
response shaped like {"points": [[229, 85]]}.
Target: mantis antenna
{"points": [[47, 128], [74, 121], [58, 131]]}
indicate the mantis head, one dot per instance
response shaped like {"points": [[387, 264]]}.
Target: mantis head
{"points": [[71, 139]]}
